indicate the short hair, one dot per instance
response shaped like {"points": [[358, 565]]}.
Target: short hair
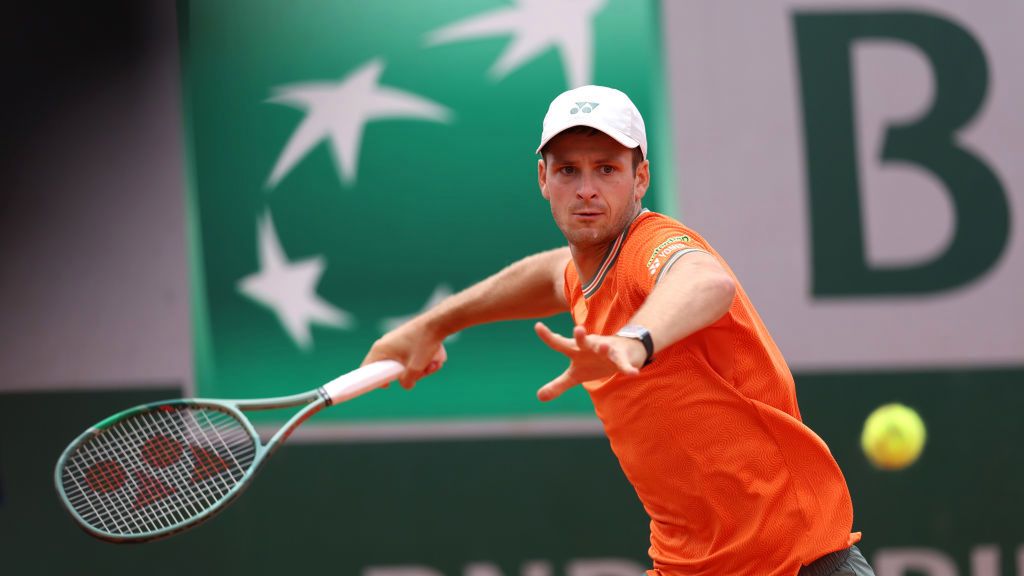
{"points": [[638, 155]]}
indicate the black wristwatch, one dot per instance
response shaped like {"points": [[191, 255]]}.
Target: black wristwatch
{"points": [[638, 332]]}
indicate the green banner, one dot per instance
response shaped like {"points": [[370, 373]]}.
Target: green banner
{"points": [[351, 163]]}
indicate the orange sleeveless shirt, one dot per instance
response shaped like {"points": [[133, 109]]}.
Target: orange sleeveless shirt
{"points": [[709, 434]]}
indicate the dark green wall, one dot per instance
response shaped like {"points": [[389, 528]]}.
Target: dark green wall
{"points": [[339, 508]]}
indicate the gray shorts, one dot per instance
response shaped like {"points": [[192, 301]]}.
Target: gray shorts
{"points": [[848, 562]]}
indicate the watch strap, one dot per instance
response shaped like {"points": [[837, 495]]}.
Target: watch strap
{"points": [[637, 332]]}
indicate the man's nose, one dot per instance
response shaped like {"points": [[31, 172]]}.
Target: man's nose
{"points": [[588, 187]]}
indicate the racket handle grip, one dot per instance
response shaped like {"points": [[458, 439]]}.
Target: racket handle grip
{"points": [[362, 380]]}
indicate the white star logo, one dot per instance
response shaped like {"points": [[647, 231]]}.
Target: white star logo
{"points": [[535, 25], [441, 292], [289, 288], [340, 112]]}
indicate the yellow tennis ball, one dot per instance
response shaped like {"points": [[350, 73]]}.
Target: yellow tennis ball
{"points": [[893, 436]]}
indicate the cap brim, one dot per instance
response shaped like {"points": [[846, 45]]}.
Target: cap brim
{"points": [[611, 132]]}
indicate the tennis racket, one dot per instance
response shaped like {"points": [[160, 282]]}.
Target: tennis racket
{"points": [[160, 468]]}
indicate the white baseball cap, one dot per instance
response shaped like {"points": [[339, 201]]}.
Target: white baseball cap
{"points": [[599, 107]]}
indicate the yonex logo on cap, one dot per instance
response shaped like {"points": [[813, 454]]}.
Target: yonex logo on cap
{"points": [[585, 107]]}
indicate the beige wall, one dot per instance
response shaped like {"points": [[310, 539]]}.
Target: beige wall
{"points": [[94, 285]]}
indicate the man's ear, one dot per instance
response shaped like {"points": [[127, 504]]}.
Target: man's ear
{"points": [[642, 179], [542, 178]]}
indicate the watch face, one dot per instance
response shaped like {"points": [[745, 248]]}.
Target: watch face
{"points": [[633, 331], [640, 333]]}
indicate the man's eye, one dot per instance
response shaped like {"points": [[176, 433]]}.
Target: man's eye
{"points": [[568, 170], [607, 169]]}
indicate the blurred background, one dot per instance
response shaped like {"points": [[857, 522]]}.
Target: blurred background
{"points": [[857, 165]]}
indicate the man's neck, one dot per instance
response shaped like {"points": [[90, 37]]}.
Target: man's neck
{"points": [[588, 259]]}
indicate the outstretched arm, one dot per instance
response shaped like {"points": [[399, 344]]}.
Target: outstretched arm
{"points": [[529, 288], [694, 294]]}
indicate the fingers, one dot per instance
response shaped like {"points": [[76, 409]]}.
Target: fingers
{"points": [[621, 361], [407, 378], [584, 341], [375, 355], [436, 362], [556, 387], [554, 341], [415, 346], [371, 357], [441, 355], [422, 362], [603, 346]]}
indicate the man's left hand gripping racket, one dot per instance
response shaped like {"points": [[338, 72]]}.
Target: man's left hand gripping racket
{"points": [[160, 468]]}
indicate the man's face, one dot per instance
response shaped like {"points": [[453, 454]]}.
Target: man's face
{"points": [[590, 183]]}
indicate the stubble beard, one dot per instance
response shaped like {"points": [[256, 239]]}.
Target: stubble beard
{"points": [[589, 238]]}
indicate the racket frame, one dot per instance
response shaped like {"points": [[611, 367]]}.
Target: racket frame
{"points": [[339, 390]]}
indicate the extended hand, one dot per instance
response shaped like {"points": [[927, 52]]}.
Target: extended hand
{"points": [[591, 357]]}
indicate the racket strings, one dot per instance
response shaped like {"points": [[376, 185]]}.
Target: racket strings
{"points": [[157, 469]]}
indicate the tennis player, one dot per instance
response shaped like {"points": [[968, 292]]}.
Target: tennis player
{"points": [[697, 401]]}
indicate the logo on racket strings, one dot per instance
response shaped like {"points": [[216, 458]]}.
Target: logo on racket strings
{"points": [[160, 453]]}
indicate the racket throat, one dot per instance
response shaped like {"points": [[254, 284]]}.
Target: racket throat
{"points": [[324, 396]]}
